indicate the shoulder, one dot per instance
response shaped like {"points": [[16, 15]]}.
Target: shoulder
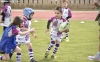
{"points": [[52, 18], [69, 9], [64, 20], [24, 19], [9, 7], [5, 7], [10, 28]]}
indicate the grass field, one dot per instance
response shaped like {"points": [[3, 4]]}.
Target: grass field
{"points": [[83, 42]]}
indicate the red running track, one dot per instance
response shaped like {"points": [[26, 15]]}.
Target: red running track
{"points": [[46, 14]]}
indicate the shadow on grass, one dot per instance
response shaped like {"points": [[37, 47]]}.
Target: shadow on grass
{"points": [[10, 61], [96, 61], [47, 60]]}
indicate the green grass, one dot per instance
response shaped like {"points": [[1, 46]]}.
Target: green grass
{"points": [[83, 42]]}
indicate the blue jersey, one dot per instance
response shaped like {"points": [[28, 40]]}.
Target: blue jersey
{"points": [[8, 43]]}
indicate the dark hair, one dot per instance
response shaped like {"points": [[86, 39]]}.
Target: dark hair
{"points": [[30, 16], [65, 1], [59, 9], [17, 21], [6, 2]]}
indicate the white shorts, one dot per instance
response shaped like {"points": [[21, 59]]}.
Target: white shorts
{"points": [[55, 37], [7, 21], [22, 39]]}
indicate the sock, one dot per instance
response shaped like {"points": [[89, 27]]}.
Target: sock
{"points": [[0, 57], [30, 53], [18, 57], [66, 35], [50, 45], [56, 49]]}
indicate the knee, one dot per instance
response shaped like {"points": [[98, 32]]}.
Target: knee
{"points": [[29, 45], [18, 50], [6, 58], [57, 45], [52, 42]]}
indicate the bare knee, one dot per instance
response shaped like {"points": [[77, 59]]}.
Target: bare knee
{"points": [[29, 45], [6, 57], [18, 50]]}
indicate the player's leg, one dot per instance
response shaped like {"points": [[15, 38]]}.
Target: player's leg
{"points": [[67, 38], [96, 57], [55, 49], [58, 40], [67, 34], [99, 21], [10, 55], [52, 43], [18, 55], [63, 35], [5, 57], [97, 18], [30, 52]]}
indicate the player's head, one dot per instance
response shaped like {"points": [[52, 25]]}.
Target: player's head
{"points": [[17, 21], [64, 3], [28, 13], [96, 3], [6, 2], [58, 12]]}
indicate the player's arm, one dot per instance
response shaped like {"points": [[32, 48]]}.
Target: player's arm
{"points": [[16, 31], [48, 26], [22, 28], [33, 34], [3, 17], [25, 29], [69, 14], [25, 32]]}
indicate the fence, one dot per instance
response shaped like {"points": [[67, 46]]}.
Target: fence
{"points": [[50, 4]]}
